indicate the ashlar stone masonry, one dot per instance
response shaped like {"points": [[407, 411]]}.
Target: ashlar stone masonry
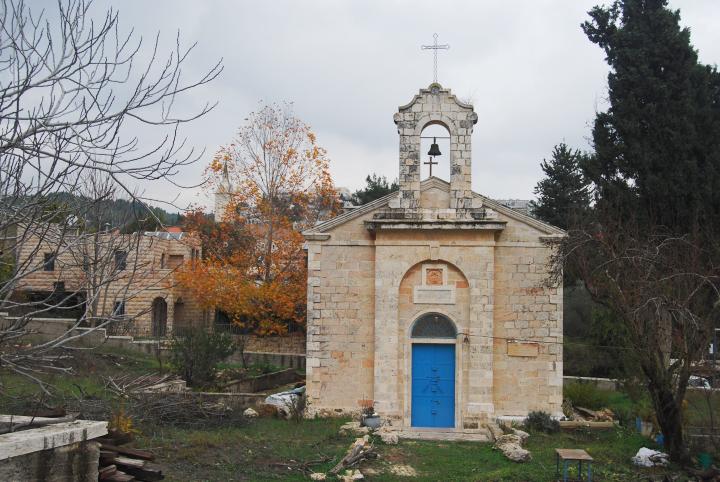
{"points": [[432, 302]]}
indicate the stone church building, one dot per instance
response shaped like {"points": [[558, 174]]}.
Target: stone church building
{"points": [[431, 303]]}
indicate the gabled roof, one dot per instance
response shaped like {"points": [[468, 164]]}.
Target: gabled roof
{"points": [[429, 183]]}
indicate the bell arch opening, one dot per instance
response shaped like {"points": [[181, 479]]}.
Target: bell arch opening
{"points": [[433, 325], [435, 151]]}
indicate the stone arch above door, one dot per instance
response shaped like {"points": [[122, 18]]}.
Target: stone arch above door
{"points": [[414, 302]]}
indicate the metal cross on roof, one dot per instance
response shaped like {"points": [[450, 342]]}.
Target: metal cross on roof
{"points": [[435, 47]]}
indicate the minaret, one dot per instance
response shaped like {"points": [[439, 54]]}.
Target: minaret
{"points": [[223, 194]]}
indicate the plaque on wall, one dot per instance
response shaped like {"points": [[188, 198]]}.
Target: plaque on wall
{"points": [[435, 295], [523, 349], [434, 288]]}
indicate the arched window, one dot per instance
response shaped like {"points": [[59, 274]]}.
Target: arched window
{"points": [[433, 325]]}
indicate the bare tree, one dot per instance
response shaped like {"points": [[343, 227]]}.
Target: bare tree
{"points": [[664, 291], [71, 89]]}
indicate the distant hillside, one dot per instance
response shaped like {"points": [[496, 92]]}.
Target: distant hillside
{"points": [[128, 216]]}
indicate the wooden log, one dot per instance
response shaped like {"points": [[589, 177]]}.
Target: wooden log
{"points": [[134, 453], [123, 462], [148, 473], [570, 424], [120, 477], [107, 457], [359, 450], [106, 472]]}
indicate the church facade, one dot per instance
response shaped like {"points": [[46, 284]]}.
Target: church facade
{"points": [[433, 303]]}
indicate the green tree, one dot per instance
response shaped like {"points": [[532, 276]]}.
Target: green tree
{"points": [[647, 251], [375, 188], [657, 153], [564, 193]]}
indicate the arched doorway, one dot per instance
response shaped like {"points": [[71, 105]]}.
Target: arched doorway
{"points": [[433, 337], [159, 317]]}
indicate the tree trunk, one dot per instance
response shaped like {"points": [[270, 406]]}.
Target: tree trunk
{"points": [[669, 415], [668, 411]]}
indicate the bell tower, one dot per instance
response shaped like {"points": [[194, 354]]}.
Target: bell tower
{"points": [[436, 105]]}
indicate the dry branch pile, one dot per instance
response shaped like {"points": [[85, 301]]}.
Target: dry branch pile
{"points": [[181, 410], [164, 400]]}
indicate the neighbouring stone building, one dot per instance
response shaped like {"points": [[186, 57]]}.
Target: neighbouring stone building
{"points": [[432, 302], [129, 275]]}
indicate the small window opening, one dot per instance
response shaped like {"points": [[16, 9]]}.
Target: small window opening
{"points": [[434, 325], [49, 262]]}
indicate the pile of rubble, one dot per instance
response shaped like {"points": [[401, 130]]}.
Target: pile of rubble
{"points": [[585, 414], [510, 443], [385, 432], [584, 417]]}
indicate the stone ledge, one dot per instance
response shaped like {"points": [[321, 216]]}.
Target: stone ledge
{"points": [[50, 436], [378, 224], [480, 435]]}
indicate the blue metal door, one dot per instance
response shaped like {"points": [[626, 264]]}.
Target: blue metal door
{"points": [[433, 385]]}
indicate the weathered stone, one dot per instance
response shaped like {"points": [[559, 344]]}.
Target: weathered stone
{"points": [[403, 471], [515, 452], [353, 428], [351, 475], [387, 435], [511, 446], [495, 430], [250, 413], [522, 434]]}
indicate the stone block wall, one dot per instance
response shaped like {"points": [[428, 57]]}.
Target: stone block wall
{"points": [[76, 462], [149, 274], [340, 328], [468, 256], [528, 329], [52, 453], [436, 105], [292, 343], [361, 307]]}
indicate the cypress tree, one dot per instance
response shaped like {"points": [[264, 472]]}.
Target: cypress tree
{"points": [[649, 249], [656, 147]]}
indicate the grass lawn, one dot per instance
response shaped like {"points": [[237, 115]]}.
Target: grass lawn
{"points": [[89, 368], [265, 448], [272, 449]]}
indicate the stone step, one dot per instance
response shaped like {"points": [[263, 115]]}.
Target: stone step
{"points": [[460, 436]]}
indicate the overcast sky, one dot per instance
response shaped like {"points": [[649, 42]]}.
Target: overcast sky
{"points": [[532, 75]]}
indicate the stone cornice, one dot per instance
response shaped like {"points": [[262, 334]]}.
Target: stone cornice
{"points": [[432, 182], [420, 224]]}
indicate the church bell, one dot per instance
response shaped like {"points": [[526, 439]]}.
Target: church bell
{"points": [[434, 149]]}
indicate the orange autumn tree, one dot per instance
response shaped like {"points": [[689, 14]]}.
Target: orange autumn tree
{"points": [[253, 267]]}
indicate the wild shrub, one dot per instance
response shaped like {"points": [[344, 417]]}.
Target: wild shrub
{"points": [[541, 422], [586, 395], [196, 354]]}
